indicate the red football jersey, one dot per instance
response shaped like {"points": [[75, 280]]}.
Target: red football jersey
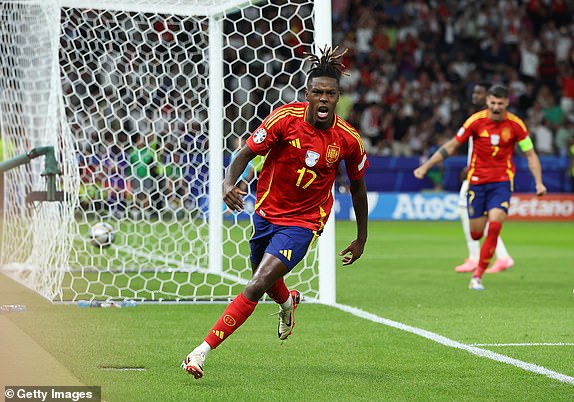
{"points": [[295, 185], [493, 145]]}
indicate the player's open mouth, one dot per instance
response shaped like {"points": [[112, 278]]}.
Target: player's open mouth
{"points": [[323, 112]]}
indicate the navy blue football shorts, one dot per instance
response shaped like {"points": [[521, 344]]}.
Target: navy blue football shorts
{"points": [[481, 198], [288, 243]]}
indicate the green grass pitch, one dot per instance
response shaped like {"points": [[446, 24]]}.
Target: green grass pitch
{"points": [[406, 275]]}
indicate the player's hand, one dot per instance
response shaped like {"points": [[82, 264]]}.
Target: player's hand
{"points": [[233, 198], [353, 252], [540, 189], [420, 172]]}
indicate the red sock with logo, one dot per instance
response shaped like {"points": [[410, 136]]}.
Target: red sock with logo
{"points": [[232, 318], [488, 247], [278, 292]]}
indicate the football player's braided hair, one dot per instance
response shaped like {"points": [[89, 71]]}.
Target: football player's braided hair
{"points": [[327, 65]]}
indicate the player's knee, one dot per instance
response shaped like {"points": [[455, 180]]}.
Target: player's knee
{"points": [[254, 289], [476, 235]]}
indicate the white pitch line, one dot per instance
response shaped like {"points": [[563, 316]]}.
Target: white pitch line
{"points": [[522, 344], [123, 368], [457, 345]]}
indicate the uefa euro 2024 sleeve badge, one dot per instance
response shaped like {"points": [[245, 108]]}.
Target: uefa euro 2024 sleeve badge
{"points": [[259, 135]]}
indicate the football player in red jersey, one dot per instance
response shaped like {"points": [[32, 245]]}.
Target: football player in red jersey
{"points": [[495, 133], [304, 143], [503, 260]]}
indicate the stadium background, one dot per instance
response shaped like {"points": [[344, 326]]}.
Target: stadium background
{"points": [[413, 65]]}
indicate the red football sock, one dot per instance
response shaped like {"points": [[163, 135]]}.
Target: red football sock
{"points": [[278, 292], [488, 247], [232, 318]]}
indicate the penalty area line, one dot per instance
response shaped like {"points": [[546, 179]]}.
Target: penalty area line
{"points": [[534, 368]]}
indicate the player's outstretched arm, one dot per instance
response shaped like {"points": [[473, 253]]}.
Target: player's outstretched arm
{"points": [[354, 251], [536, 170], [233, 195], [443, 152]]}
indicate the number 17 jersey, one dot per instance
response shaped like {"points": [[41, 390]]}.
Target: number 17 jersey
{"points": [[295, 185]]}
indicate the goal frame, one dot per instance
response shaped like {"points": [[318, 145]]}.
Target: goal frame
{"points": [[322, 36]]}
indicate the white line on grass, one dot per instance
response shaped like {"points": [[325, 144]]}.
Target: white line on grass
{"points": [[522, 344], [457, 345]]}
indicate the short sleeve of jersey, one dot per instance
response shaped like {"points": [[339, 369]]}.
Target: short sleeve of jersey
{"points": [[357, 162], [356, 159], [520, 127], [263, 138], [465, 131]]}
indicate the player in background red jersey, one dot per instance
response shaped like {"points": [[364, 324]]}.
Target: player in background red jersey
{"points": [[503, 259], [495, 133], [304, 143]]}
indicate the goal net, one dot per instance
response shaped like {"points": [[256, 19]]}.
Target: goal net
{"points": [[144, 102]]}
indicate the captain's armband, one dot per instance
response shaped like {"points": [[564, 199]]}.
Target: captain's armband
{"points": [[443, 152], [526, 144]]}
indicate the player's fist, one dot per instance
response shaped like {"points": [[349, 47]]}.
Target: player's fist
{"points": [[420, 172], [540, 189]]}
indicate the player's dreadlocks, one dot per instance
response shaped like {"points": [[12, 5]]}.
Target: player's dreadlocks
{"points": [[328, 65]]}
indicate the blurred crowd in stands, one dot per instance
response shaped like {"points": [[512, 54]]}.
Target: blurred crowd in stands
{"points": [[412, 66]]}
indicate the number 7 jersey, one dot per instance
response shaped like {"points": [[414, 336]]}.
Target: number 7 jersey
{"points": [[295, 185], [493, 145]]}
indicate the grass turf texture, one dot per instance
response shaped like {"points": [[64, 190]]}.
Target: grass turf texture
{"points": [[406, 275]]}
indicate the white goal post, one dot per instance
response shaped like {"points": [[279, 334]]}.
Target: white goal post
{"points": [[144, 102]]}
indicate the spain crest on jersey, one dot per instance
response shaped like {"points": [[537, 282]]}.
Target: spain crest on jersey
{"points": [[311, 158], [506, 134], [332, 154]]}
